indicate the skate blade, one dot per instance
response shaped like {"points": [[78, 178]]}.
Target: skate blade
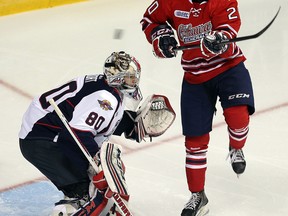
{"points": [[203, 211]]}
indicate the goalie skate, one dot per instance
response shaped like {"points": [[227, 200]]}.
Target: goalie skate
{"points": [[80, 206], [93, 207]]}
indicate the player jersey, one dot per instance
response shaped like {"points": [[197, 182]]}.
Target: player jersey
{"points": [[192, 20], [90, 105]]}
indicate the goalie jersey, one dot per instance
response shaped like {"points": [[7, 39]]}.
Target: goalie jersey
{"points": [[192, 20], [92, 107]]}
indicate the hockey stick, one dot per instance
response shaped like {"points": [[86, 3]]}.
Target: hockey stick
{"points": [[72, 133], [116, 197], [228, 41]]}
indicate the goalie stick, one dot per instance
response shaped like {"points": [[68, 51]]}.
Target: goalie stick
{"points": [[123, 208], [237, 39]]}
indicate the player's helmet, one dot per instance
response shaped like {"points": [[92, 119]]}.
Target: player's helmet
{"points": [[123, 72]]}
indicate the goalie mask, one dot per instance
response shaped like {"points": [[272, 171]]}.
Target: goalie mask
{"points": [[123, 72]]}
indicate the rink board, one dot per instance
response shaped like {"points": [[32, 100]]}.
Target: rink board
{"points": [[17, 6]]}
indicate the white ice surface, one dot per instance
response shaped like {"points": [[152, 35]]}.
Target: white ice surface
{"points": [[44, 48]]}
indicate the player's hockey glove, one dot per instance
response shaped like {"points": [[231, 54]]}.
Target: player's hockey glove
{"points": [[163, 41], [211, 44]]}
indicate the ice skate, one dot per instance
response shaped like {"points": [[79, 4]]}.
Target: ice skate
{"points": [[197, 205], [237, 160], [68, 206]]}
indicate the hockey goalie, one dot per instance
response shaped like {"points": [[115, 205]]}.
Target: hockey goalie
{"points": [[108, 182], [65, 133]]}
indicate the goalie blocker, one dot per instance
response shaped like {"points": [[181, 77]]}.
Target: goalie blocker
{"points": [[152, 119]]}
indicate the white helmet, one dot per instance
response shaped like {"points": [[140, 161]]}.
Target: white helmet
{"points": [[123, 72]]}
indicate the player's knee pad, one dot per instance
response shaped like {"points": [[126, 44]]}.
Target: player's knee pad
{"points": [[196, 143], [237, 117]]}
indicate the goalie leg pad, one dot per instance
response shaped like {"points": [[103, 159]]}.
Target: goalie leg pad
{"points": [[113, 168], [122, 201]]}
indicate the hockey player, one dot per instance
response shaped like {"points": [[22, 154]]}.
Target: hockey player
{"points": [[94, 106], [214, 70]]}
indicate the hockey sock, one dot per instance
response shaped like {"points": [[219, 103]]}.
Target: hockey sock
{"points": [[196, 161], [237, 119]]}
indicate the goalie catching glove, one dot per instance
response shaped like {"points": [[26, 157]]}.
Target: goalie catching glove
{"points": [[154, 117]]}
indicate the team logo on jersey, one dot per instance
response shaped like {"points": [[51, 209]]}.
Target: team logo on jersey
{"points": [[105, 105], [188, 33], [195, 12]]}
